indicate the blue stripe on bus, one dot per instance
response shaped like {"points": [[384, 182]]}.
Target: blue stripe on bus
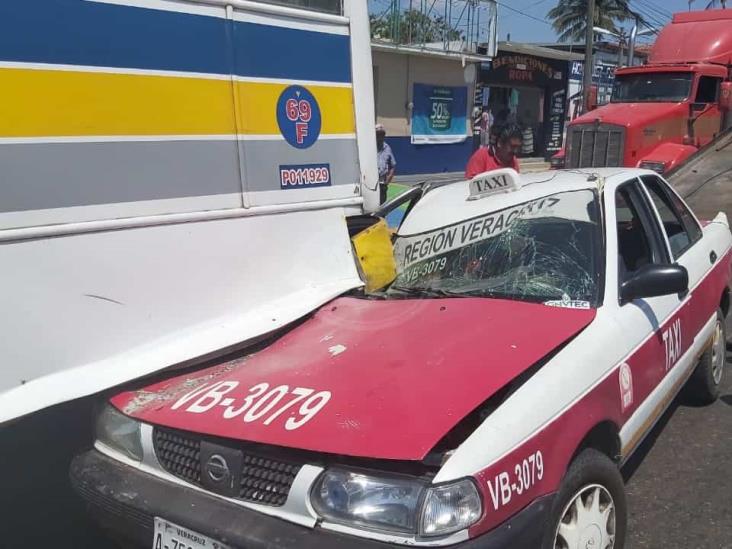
{"points": [[291, 53], [76, 32]]}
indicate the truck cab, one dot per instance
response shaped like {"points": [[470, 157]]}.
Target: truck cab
{"points": [[663, 112]]}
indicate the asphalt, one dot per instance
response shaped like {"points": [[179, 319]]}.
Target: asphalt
{"points": [[678, 483]]}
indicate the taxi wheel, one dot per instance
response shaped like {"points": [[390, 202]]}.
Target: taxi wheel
{"points": [[590, 508], [705, 383]]}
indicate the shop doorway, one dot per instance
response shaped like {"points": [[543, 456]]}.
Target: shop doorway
{"points": [[523, 106]]}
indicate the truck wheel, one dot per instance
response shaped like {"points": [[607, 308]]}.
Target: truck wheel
{"points": [[590, 508], [704, 384]]}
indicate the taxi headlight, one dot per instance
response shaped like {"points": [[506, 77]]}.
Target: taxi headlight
{"points": [[396, 504], [119, 432]]}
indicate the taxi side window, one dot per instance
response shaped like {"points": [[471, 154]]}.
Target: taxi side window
{"points": [[679, 224], [638, 240]]}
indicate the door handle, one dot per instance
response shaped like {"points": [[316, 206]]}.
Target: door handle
{"points": [[712, 257]]}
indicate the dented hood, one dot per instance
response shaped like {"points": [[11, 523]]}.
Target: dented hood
{"points": [[370, 378]]}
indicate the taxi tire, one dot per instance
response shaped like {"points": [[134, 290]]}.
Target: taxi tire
{"points": [[701, 387], [590, 467]]}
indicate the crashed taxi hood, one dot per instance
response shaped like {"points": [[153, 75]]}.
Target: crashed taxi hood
{"points": [[370, 378]]}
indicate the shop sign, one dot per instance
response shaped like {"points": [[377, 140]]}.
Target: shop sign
{"points": [[523, 68], [557, 113], [439, 114]]}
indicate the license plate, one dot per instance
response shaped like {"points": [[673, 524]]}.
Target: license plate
{"points": [[172, 536]]}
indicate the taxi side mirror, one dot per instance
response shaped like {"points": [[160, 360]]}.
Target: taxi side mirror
{"points": [[654, 280]]}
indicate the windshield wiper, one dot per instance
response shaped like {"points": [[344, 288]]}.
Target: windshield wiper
{"points": [[427, 292]]}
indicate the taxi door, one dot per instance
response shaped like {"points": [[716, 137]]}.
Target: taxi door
{"points": [[683, 235], [653, 328]]}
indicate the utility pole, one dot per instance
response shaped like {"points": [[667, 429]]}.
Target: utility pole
{"points": [[589, 42], [632, 40]]}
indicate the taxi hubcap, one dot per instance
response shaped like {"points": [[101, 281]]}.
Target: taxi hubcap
{"points": [[588, 521], [718, 352]]}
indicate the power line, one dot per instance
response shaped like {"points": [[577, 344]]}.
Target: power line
{"points": [[657, 21], [666, 14], [523, 13], [650, 18]]}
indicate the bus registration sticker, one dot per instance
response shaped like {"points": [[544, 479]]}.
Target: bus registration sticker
{"points": [[304, 176]]}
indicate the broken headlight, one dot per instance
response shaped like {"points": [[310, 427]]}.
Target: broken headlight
{"points": [[398, 504], [119, 432]]}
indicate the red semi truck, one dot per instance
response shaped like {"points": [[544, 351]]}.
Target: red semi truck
{"points": [[663, 112]]}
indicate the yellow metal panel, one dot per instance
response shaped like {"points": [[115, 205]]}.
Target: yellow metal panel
{"points": [[43, 103], [376, 255], [64, 103]]}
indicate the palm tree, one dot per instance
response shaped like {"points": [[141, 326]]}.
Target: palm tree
{"points": [[569, 17]]}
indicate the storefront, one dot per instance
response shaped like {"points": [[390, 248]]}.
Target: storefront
{"points": [[605, 60], [527, 85], [425, 99]]}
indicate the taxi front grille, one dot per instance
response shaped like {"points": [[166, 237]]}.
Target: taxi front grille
{"points": [[264, 480]]}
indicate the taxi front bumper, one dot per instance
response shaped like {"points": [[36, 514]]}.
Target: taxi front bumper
{"points": [[125, 501]]}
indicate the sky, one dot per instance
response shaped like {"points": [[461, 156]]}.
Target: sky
{"points": [[526, 29], [526, 21]]}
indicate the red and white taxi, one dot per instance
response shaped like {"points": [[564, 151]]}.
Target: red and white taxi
{"points": [[538, 328]]}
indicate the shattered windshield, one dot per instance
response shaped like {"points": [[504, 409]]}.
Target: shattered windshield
{"points": [[652, 87], [547, 250]]}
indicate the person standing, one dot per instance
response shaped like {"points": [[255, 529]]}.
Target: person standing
{"points": [[386, 162], [486, 126], [477, 127], [501, 155]]}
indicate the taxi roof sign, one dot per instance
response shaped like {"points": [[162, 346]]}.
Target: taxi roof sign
{"points": [[494, 182]]}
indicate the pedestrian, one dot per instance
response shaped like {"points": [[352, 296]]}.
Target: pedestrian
{"points": [[385, 161], [486, 126], [477, 127], [501, 155]]}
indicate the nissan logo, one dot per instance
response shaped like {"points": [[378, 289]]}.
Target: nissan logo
{"points": [[217, 468]]}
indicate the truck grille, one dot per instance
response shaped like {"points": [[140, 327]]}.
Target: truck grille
{"points": [[264, 480], [595, 146]]}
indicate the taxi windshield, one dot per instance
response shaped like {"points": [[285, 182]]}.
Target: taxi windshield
{"points": [[546, 250]]}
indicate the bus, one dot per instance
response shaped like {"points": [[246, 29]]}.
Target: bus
{"points": [[175, 181]]}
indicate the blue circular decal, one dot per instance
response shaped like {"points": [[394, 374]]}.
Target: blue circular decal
{"points": [[298, 116]]}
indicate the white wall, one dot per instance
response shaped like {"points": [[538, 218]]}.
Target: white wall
{"points": [[395, 74]]}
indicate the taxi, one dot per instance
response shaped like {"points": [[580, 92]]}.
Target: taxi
{"points": [[537, 329]]}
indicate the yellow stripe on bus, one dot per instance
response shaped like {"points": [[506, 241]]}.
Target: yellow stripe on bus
{"points": [[45, 103]]}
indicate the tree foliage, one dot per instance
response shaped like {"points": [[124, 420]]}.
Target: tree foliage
{"points": [[569, 17], [413, 26]]}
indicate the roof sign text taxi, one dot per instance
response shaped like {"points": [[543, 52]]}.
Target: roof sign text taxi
{"points": [[494, 182]]}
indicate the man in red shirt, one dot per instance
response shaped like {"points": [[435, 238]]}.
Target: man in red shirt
{"points": [[501, 155]]}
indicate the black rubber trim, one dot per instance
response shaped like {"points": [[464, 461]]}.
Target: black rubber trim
{"points": [[124, 500]]}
